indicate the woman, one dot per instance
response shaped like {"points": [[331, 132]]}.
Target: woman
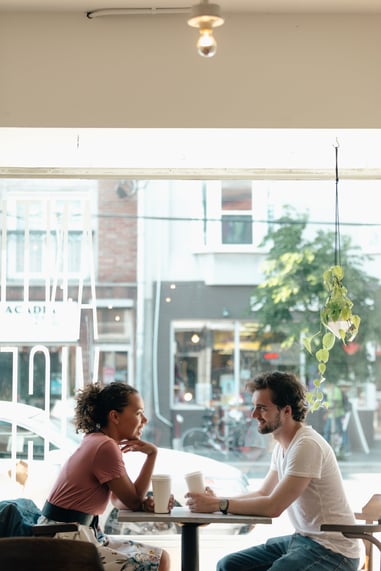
{"points": [[112, 419]]}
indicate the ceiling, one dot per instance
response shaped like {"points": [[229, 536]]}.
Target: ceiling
{"points": [[264, 6]]}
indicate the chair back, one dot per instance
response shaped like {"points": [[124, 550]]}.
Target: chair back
{"points": [[371, 511], [48, 554]]}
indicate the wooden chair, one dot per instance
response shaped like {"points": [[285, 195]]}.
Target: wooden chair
{"points": [[371, 514], [48, 554], [41, 551]]}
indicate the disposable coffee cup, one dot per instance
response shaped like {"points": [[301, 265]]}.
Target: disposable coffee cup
{"points": [[195, 482], [161, 489]]}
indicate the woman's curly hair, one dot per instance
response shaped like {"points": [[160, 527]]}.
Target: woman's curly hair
{"points": [[94, 402]]}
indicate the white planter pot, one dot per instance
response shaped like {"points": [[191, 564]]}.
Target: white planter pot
{"points": [[335, 327]]}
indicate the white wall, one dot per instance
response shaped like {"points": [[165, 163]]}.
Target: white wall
{"points": [[65, 70], [286, 154]]}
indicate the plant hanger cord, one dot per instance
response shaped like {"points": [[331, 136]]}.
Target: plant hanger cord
{"points": [[337, 260]]}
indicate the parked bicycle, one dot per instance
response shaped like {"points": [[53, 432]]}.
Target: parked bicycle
{"points": [[228, 435]]}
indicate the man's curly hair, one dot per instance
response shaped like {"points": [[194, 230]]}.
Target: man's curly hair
{"points": [[285, 390]]}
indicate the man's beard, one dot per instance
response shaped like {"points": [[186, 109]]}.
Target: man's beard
{"points": [[269, 427]]}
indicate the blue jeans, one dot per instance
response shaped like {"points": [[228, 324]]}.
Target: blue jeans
{"points": [[288, 553], [17, 517]]}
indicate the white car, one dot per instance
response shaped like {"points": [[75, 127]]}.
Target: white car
{"points": [[224, 479], [44, 443], [33, 432]]}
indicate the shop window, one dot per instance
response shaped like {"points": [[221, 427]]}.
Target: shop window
{"points": [[113, 364], [114, 323], [214, 360]]}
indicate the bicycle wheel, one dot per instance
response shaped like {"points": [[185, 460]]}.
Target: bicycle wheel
{"points": [[195, 439]]}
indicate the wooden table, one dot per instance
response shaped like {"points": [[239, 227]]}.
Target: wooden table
{"points": [[190, 522]]}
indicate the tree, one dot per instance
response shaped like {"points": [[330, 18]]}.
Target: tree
{"points": [[287, 303]]}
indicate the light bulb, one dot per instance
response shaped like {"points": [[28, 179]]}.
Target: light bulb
{"points": [[206, 44]]}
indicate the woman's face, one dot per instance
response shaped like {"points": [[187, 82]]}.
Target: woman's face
{"points": [[132, 419]]}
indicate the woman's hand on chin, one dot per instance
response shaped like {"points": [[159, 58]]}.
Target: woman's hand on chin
{"points": [[137, 445]]}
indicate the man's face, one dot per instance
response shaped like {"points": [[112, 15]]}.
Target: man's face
{"points": [[265, 412]]}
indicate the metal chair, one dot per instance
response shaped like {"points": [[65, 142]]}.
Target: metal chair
{"points": [[370, 513]]}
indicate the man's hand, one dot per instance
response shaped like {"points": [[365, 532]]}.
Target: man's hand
{"points": [[207, 502]]}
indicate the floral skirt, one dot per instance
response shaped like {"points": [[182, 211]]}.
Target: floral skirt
{"points": [[120, 553]]}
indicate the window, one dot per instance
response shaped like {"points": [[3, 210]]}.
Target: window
{"points": [[170, 248], [47, 234], [215, 359], [38, 253], [115, 323], [237, 225], [113, 364], [235, 211]]}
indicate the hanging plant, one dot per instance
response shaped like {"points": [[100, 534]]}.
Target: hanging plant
{"points": [[336, 317], [336, 314], [338, 322]]}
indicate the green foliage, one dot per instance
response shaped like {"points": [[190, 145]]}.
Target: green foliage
{"points": [[292, 301], [338, 321], [338, 306]]}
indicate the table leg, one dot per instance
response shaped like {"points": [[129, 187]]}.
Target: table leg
{"points": [[189, 547]]}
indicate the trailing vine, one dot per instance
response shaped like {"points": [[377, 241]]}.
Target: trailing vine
{"points": [[338, 322]]}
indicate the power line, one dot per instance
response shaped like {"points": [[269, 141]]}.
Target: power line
{"points": [[235, 218]]}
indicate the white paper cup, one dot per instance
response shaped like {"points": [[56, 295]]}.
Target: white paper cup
{"points": [[161, 489], [195, 482]]}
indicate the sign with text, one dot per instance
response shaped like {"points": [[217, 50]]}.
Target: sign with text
{"points": [[37, 321]]}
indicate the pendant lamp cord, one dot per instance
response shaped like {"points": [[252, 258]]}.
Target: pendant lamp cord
{"points": [[337, 219]]}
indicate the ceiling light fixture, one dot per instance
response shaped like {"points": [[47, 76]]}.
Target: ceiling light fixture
{"points": [[206, 16], [135, 12]]}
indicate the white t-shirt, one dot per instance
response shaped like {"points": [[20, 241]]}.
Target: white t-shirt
{"points": [[324, 500]]}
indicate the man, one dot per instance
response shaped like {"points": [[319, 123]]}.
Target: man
{"points": [[304, 479]]}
